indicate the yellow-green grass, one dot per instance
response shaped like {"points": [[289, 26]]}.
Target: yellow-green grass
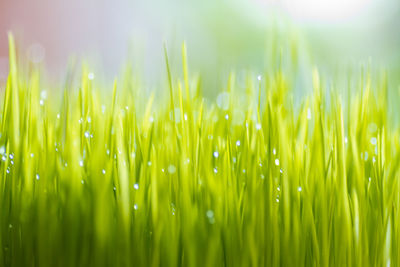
{"points": [[90, 180]]}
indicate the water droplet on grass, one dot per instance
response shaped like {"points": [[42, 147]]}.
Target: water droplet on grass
{"points": [[136, 186], [81, 163], [135, 206], [238, 142], [373, 141], [103, 171], [299, 189], [223, 100], [87, 134], [215, 170], [216, 154], [258, 126], [37, 177], [308, 114], [277, 162], [43, 94], [171, 169]]}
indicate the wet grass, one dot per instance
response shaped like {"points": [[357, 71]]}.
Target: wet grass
{"points": [[93, 178]]}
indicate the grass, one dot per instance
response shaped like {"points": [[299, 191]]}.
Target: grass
{"points": [[96, 179]]}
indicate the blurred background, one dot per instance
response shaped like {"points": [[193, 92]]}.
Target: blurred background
{"points": [[220, 35]]}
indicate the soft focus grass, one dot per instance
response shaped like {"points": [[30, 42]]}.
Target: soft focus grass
{"points": [[90, 180]]}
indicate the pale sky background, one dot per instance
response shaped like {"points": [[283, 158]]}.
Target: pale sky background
{"points": [[220, 34]]}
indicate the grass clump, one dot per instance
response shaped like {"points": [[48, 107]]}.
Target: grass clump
{"points": [[93, 181]]}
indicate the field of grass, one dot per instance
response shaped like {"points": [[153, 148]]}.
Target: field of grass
{"points": [[89, 178]]}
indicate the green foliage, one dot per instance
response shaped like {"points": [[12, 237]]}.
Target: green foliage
{"points": [[252, 181]]}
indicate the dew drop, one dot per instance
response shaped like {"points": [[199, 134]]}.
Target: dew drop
{"points": [[373, 141], [299, 189], [308, 114], [258, 126], [81, 163], [238, 142], [91, 76], [103, 171], [277, 162], [136, 186], [135, 206], [223, 100], [210, 214], [43, 94], [216, 154], [171, 169]]}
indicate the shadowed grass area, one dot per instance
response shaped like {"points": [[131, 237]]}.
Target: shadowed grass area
{"points": [[248, 180]]}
